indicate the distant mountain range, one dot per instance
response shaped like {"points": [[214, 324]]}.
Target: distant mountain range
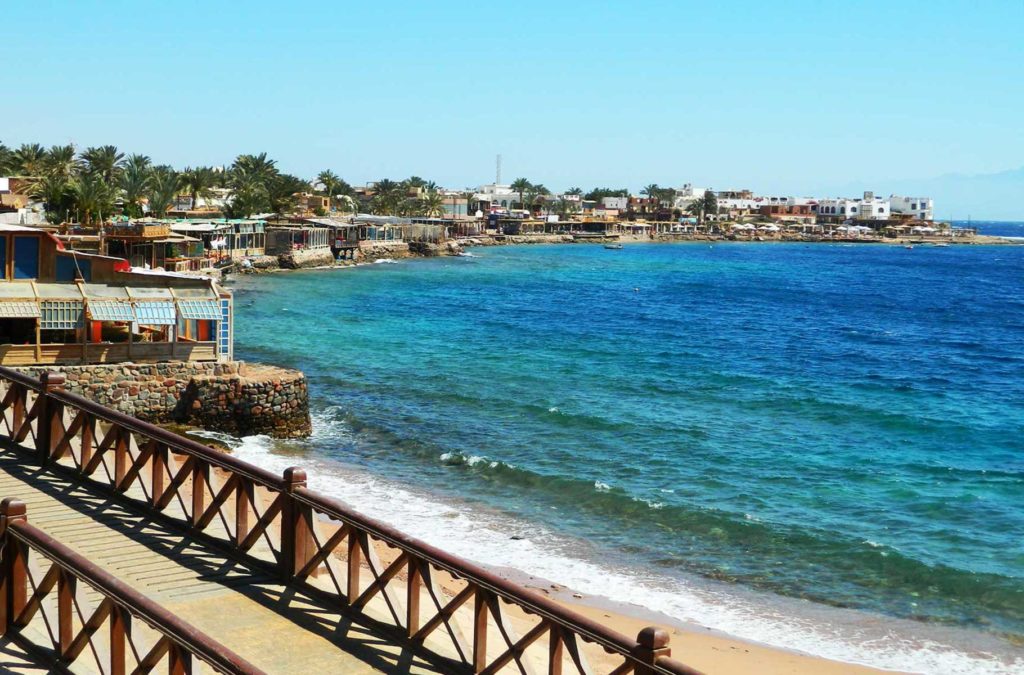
{"points": [[989, 196]]}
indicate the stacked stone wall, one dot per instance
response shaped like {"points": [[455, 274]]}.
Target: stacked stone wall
{"points": [[233, 397]]}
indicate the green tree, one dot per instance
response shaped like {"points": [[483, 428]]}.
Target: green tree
{"points": [[255, 167], [597, 194], [164, 185], [199, 182], [134, 184], [30, 160], [93, 198], [575, 191], [61, 162], [6, 160], [330, 181], [55, 193], [283, 191], [432, 204], [104, 161], [521, 186]]}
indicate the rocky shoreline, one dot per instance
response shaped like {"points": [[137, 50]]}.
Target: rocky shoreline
{"points": [[321, 259]]}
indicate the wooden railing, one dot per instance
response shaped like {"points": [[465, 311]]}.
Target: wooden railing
{"points": [[140, 635], [462, 616]]}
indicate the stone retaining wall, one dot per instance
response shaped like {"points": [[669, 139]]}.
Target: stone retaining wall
{"points": [[236, 398], [306, 258]]}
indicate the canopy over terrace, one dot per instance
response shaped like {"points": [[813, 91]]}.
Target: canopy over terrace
{"points": [[101, 323]]}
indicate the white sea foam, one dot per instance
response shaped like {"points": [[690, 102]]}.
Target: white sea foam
{"points": [[486, 537], [601, 487]]}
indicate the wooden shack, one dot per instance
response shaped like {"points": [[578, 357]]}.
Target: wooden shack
{"points": [[68, 307]]}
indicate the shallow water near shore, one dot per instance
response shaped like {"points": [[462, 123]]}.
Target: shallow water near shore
{"points": [[814, 446]]}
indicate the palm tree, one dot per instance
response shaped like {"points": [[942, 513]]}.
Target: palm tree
{"points": [[94, 199], [521, 185], [432, 203], [330, 180], [134, 184], [575, 191], [104, 161], [138, 163], [199, 183], [164, 185], [55, 193], [30, 160], [6, 160], [61, 161], [257, 167], [283, 191]]}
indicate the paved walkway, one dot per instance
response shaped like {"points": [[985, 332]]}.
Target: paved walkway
{"points": [[271, 625]]}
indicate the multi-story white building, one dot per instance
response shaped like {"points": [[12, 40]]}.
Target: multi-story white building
{"points": [[686, 195], [496, 195], [920, 208], [869, 207]]}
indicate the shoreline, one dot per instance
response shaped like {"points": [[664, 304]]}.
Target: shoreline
{"points": [[761, 631], [457, 246], [704, 648]]}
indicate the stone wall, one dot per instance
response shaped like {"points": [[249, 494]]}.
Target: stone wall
{"points": [[236, 398], [374, 250], [302, 258]]}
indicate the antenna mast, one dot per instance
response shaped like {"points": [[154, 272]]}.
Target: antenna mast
{"points": [[497, 173]]}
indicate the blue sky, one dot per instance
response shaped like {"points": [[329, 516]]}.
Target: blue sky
{"points": [[792, 97]]}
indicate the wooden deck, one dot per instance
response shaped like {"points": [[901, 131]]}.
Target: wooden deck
{"points": [[229, 600]]}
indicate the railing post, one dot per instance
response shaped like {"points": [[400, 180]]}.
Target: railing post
{"points": [[50, 412], [296, 538], [13, 564], [652, 643]]}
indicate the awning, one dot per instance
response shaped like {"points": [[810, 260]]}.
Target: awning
{"points": [[156, 313], [110, 311], [207, 310], [19, 310]]}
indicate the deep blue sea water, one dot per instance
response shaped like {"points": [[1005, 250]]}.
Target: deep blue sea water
{"points": [[720, 432]]}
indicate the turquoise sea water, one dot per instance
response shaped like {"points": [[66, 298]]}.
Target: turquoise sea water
{"points": [[737, 423]]}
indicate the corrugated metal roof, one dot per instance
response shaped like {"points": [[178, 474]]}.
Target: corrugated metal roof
{"points": [[19, 310], [155, 313], [101, 310]]}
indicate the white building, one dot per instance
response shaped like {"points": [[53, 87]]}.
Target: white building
{"points": [[869, 207], [614, 203], [497, 195], [920, 208], [686, 195]]}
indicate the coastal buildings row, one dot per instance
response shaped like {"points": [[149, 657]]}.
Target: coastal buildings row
{"points": [[62, 306]]}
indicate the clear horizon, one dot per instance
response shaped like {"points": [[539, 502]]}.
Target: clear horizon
{"points": [[806, 100]]}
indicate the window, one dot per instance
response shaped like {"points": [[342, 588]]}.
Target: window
{"points": [[224, 329], [60, 314], [853, 209], [69, 266], [26, 257]]}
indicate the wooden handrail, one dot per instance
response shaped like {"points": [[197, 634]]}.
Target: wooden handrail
{"points": [[15, 526], [532, 602], [294, 508]]}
